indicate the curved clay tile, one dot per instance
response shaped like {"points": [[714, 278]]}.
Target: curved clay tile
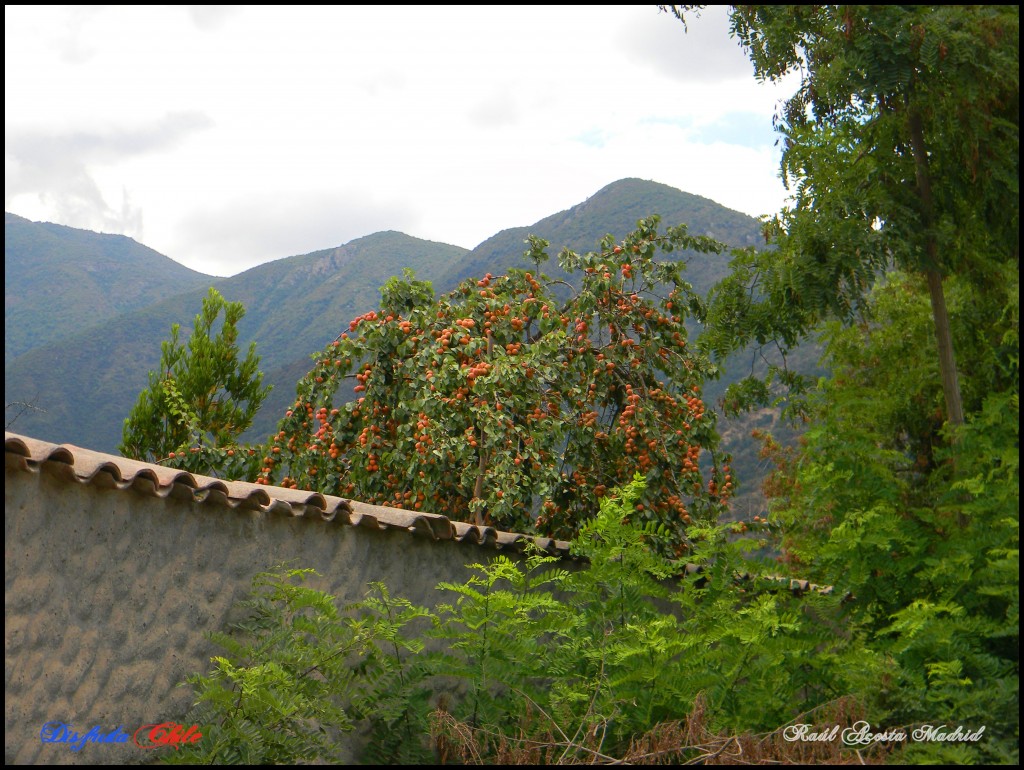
{"points": [[84, 466]]}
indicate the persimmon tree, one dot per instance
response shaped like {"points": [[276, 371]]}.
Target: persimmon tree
{"points": [[519, 401], [202, 398]]}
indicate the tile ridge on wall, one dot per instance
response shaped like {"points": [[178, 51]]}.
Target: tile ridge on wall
{"points": [[75, 464], [84, 466]]}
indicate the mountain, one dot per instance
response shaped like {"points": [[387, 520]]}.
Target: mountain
{"points": [[615, 210], [299, 304], [87, 382], [58, 280]]}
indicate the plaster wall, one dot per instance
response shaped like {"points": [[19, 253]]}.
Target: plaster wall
{"points": [[108, 594]]}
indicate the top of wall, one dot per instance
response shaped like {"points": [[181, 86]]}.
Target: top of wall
{"points": [[76, 465]]}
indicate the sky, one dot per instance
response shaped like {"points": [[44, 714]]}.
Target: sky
{"points": [[228, 136]]}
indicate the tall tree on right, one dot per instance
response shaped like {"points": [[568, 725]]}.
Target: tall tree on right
{"points": [[901, 151], [901, 148]]}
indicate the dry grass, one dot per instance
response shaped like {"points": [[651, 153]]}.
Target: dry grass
{"points": [[686, 742]]}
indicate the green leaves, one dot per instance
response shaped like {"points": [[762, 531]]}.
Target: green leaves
{"points": [[925, 549], [901, 148], [634, 639], [279, 698]]}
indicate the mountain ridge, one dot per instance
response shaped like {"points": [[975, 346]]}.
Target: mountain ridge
{"points": [[46, 294], [88, 381]]}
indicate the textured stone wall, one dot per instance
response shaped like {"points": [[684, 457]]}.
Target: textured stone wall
{"points": [[108, 593]]}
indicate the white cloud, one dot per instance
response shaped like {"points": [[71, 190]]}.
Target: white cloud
{"points": [[261, 226], [238, 135], [60, 170], [210, 17], [699, 54]]}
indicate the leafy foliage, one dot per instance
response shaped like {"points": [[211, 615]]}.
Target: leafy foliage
{"points": [[279, 694], [391, 689], [202, 399], [502, 394], [900, 147], [571, 662], [929, 549]]}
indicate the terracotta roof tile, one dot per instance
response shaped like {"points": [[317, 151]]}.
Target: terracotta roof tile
{"points": [[75, 464]]}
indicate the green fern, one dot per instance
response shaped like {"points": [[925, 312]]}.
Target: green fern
{"points": [[278, 698]]}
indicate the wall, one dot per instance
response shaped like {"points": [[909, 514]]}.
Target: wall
{"points": [[114, 570]]}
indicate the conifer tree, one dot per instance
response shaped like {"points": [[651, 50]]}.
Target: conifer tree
{"points": [[203, 397]]}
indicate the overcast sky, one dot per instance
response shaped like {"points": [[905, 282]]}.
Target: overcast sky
{"points": [[225, 137]]}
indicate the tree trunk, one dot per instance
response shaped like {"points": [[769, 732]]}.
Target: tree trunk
{"points": [[943, 335], [944, 339]]}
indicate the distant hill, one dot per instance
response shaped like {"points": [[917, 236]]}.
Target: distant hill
{"points": [[615, 210], [59, 280], [88, 381]]}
